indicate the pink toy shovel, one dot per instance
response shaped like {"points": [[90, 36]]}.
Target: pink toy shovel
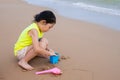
{"points": [[55, 71]]}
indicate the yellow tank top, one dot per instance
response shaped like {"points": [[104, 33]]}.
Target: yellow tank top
{"points": [[24, 38]]}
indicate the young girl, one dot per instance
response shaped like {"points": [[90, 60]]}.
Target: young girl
{"points": [[31, 42]]}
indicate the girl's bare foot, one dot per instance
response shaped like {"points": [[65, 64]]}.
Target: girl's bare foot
{"points": [[25, 65]]}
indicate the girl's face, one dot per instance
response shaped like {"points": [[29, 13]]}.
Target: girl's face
{"points": [[44, 27]]}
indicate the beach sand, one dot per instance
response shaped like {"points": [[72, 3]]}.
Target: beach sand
{"points": [[90, 51]]}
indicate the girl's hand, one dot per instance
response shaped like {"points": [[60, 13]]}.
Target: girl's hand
{"points": [[51, 52]]}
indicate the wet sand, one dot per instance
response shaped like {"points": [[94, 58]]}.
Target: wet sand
{"points": [[90, 51]]}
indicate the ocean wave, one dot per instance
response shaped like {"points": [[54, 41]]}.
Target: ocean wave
{"points": [[97, 9], [81, 11], [82, 5]]}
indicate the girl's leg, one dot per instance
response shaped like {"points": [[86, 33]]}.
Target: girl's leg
{"points": [[31, 54], [24, 61], [44, 43]]}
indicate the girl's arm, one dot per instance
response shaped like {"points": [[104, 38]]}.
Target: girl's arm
{"points": [[39, 50]]}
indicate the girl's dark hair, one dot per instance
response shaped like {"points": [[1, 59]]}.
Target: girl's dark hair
{"points": [[45, 15]]}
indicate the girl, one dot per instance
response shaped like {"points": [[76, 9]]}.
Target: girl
{"points": [[31, 42]]}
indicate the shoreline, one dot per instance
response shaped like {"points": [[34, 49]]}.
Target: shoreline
{"points": [[93, 50], [97, 15]]}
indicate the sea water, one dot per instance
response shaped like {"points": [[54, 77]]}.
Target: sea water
{"points": [[103, 12]]}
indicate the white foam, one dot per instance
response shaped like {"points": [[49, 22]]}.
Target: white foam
{"points": [[83, 11], [97, 9]]}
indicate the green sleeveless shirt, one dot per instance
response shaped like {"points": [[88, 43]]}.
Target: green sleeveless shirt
{"points": [[25, 39]]}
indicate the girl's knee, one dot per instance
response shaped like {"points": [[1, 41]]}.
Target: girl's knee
{"points": [[44, 40], [44, 43]]}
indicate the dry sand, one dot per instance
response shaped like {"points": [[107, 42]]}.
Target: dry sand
{"points": [[92, 51]]}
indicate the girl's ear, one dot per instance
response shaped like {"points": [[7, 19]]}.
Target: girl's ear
{"points": [[43, 22]]}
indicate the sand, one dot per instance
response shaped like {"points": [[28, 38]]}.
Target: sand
{"points": [[89, 51]]}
